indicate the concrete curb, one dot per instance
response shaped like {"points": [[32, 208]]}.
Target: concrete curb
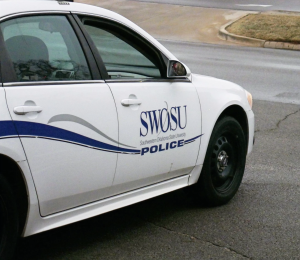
{"points": [[225, 35]]}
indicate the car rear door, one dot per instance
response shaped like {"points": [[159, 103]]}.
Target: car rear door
{"points": [[63, 112]]}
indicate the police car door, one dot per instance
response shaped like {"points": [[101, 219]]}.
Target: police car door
{"points": [[67, 121], [159, 117]]}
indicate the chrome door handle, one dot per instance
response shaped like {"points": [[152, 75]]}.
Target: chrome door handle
{"points": [[22, 110], [128, 102]]}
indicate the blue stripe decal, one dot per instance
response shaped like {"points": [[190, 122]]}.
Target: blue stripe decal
{"points": [[41, 130], [192, 139], [33, 130], [7, 128]]}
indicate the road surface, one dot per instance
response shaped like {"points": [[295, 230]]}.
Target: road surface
{"points": [[248, 5], [269, 74]]}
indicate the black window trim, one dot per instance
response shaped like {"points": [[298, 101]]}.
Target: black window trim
{"points": [[86, 49], [93, 15], [8, 74], [119, 25], [170, 80], [93, 48]]}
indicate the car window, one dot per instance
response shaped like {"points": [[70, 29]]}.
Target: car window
{"points": [[123, 55], [44, 48]]}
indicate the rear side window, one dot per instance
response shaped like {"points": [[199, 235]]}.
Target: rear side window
{"points": [[44, 48]]}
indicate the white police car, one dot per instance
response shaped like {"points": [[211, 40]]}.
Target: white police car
{"points": [[96, 115]]}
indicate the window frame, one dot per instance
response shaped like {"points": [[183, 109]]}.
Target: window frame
{"points": [[140, 39], [8, 74]]}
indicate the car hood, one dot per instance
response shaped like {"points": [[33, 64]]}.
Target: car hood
{"points": [[215, 83]]}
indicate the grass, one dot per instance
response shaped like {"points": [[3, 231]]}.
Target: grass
{"points": [[279, 28]]}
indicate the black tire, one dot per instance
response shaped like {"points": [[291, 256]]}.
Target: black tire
{"points": [[224, 164], [8, 221]]}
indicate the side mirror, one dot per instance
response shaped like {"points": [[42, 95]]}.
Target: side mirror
{"points": [[177, 69]]}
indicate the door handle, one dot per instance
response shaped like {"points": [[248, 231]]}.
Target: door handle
{"points": [[22, 110], [128, 102]]}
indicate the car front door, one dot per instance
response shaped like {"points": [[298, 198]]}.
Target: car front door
{"points": [[158, 116], [65, 116]]}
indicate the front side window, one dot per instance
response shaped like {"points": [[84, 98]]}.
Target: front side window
{"points": [[123, 54], [44, 48]]}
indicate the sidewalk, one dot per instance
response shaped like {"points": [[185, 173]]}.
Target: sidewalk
{"points": [[173, 22]]}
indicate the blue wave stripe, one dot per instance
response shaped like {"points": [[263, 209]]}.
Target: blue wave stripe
{"points": [[30, 129], [7, 128], [189, 140], [47, 131]]}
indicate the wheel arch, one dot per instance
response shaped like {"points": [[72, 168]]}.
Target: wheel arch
{"points": [[239, 114], [14, 176]]}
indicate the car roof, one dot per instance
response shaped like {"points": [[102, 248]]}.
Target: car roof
{"points": [[14, 7], [8, 7]]}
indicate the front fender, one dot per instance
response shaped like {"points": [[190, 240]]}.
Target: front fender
{"points": [[215, 96]]}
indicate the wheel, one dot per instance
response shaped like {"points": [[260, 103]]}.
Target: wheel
{"points": [[224, 164], [8, 221]]}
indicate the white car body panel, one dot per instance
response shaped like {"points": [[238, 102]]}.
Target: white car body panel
{"points": [[72, 168], [214, 95], [36, 224], [164, 162], [10, 145], [224, 95]]}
